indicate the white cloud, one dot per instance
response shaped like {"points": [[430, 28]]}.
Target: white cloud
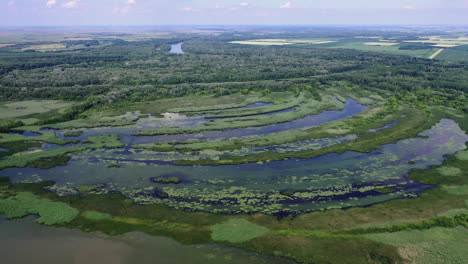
{"points": [[408, 7], [244, 4], [51, 3], [288, 4], [123, 10], [71, 4], [187, 9], [131, 2]]}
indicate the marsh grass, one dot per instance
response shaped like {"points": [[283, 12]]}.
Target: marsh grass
{"points": [[86, 189], [416, 122], [310, 107], [237, 230], [42, 157], [96, 216]]}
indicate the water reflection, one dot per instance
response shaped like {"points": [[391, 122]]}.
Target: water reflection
{"points": [[177, 48]]}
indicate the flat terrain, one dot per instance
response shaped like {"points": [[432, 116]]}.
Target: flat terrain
{"points": [[271, 145]]}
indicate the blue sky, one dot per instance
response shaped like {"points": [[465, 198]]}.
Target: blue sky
{"points": [[241, 12]]}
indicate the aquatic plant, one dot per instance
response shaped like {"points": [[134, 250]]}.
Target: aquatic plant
{"points": [[85, 189], [26, 203], [167, 180]]}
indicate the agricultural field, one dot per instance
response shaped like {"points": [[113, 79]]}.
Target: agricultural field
{"points": [[280, 42], [422, 47], [246, 145], [459, 53]]}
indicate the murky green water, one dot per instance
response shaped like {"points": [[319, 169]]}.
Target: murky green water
{"points": [[24, 242]]}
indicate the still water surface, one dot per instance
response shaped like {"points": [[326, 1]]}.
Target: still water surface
{"points": [[23, 242]]}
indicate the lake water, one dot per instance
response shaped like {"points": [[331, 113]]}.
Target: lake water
{"points": [[177, 48], [23, 242]]}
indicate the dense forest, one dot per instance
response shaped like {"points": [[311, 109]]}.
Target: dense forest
{"points": [[145, 70]]}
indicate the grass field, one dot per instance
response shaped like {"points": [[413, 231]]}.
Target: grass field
{"points": [[459, 53], [390, 49], [439, 41], [436, 245], [445, 46], [45, 47], [380, 43], [26, 109]]}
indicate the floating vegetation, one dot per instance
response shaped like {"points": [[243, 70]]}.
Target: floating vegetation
{"points": [[86, 189], [25, 203], [168, 180]]}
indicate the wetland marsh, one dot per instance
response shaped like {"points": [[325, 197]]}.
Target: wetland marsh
{"points": [[234, 146]]}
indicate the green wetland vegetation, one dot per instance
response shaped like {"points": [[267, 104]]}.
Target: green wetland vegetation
{"points": [[306, 145]]}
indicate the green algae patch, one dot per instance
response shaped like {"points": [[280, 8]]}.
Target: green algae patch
{"points": [[96, 216], [26, 203], [174, 180], [449, 171], [462, 155], [237, 230]]}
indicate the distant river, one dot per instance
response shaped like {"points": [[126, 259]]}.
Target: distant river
{"points": [[177, 48]]}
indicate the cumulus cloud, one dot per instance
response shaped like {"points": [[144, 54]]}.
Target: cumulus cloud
{"points": [[288, 4], [71, 4], [244, 4], [51, 3], [131, 2]]}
